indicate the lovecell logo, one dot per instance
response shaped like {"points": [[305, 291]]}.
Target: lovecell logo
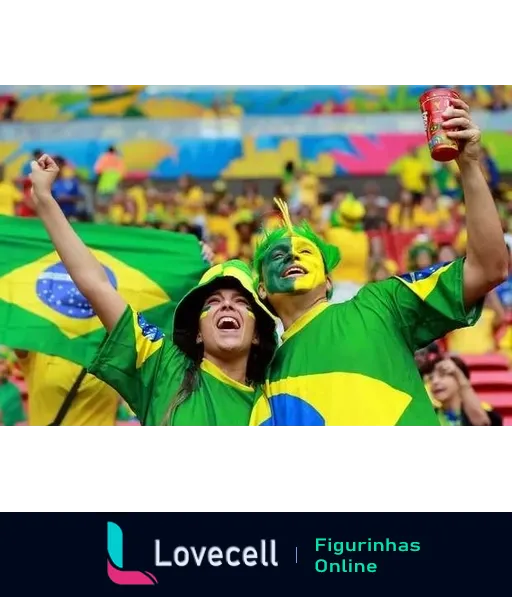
{"points": [[116, 572]]}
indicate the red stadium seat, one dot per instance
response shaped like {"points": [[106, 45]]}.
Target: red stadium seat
{"points": [[501, 401], [492, 381], [486, 363]]}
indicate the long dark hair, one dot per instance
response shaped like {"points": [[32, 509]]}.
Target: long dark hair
{"points": [[191, 382]]}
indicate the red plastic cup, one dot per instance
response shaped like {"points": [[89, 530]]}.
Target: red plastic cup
{"points": [[434, 104]]}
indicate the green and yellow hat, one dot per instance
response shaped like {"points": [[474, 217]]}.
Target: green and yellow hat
{"points": [[232, 274], [331, 255], [350, 214], [421, 245]]}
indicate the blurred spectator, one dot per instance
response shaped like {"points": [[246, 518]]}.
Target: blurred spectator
{"points": [[8, 107], [110, 170], [445, 181], [429, 215], [352, 240], [219, 222], [401, 214], [66, 190], [413, 174], [480, 339], [10, 195], [309, 188], [499, 101], [457, 404], [27, 168], [190, 199], [291, 186], [246, 226], [447, 254], [49, 381], [383, 269], [372, 196], [504, 292], [422, 254], [11, 404], [491, 170], [250, 198]]}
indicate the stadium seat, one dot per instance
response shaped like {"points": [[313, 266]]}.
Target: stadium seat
{"points": [[486, 363], [501, 401], [492, 382], [128, 424]]}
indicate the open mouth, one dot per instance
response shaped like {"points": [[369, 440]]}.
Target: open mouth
{"points": [[228, 323], [295, 271]]}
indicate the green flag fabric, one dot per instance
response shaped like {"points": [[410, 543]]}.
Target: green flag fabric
{"points": [[42, 310], [353, 364]]}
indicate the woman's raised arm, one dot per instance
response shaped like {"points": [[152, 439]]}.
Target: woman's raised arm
{"points": [[85, 270]]}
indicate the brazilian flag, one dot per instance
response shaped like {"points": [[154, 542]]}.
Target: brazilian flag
{"points": [[41, 309]]}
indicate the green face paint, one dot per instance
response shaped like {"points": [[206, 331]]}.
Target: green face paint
{"points": [[275, 263]]}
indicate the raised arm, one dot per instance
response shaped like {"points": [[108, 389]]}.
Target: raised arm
{"points": [[486, 266], [85, 270]]}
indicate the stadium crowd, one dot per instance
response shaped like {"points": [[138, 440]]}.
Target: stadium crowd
{"points": [[378, 237]]}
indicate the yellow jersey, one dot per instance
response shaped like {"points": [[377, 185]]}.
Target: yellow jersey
{"points": [[355, 250], [478, 340], [49, 380], [9, 196], [412, 175]]}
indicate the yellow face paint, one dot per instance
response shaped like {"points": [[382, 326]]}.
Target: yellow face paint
{"points": [[205, 312], [308, 255]]}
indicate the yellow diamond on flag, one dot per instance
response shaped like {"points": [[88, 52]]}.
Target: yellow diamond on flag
{"points": [[44, 288]]}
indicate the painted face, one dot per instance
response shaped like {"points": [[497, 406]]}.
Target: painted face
{"points": [[293, 266], [227, 324]]}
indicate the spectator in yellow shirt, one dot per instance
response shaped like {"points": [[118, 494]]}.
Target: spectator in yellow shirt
{"points": [[246, 227], [49, 380], [413, 174], [354, 244], [401, 214], [480, 339], [309, 188], [429, 215], [190, 198], [250, 198], [10, 195]]}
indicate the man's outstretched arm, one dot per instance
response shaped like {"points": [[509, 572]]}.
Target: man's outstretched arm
{"points": [[487, 262]]}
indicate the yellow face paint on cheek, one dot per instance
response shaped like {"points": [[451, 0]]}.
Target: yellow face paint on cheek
{"points": [[205, 312], [309, 256]]}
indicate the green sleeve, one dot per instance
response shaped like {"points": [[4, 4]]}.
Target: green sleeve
{"points": [[430, 304], [11, 405], [136, 357]]}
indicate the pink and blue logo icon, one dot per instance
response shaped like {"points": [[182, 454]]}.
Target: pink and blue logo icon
{"points": [[116, 572]]}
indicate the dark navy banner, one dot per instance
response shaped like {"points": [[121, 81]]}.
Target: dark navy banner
{"points": [[273, 554]]}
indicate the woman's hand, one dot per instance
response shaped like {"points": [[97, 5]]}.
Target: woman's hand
{"points": [[44, 174]]}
